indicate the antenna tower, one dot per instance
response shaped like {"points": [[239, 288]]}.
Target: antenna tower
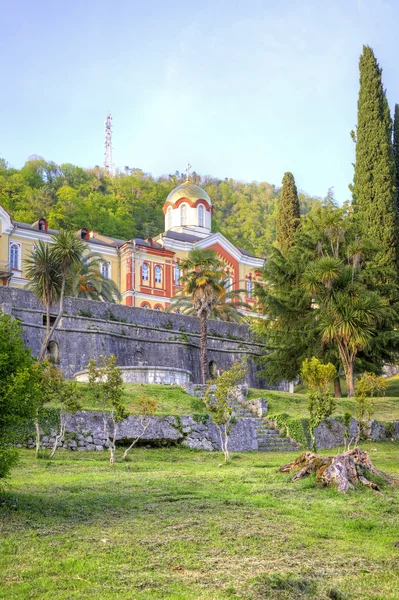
{"points": [[108, 164]]}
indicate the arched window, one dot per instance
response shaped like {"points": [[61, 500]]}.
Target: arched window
{"points": [[144, 272], [14, 256], [158, 307], [42, 225], [249, 287], [170, 217], [183, 214], [84, 233], [176, 273], [145, 305], [158, 274], [105, 270], [227, 281], [201, 216]]}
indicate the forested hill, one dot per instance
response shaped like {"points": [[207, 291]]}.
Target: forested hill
{"points": [[130, 204]]}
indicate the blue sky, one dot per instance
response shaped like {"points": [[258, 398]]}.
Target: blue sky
{"points": [[246, 90]]}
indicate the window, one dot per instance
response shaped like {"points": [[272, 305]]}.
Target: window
{"points": [[177, 311], [144, 272], [42, 225], [227, 281], [84, 234], [14, 256], [183, 214], [249, 287], [170, 217], [105, 270], [176, 273], [201, 216], [158, 274]]}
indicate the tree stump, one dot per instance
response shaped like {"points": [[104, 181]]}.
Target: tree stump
{"points": [[343, 470]]}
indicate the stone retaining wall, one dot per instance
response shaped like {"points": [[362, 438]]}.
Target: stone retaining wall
{"points": [[85, 431], [136, 336]]}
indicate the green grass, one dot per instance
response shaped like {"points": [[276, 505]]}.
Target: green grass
{"points": [[171, 399], [386, 408], [170, 524]]}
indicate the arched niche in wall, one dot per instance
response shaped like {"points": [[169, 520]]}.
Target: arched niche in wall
{"points": [[213, 369], [53, 350], [138, 358]]}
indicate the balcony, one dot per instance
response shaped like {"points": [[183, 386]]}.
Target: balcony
{"points": [[5, 269]]}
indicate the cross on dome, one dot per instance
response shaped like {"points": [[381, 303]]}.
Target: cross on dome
{"points": [[188, 172]]}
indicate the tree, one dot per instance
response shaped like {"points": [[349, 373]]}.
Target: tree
{"points": [[63, 394], [106, 387], [43, 272], [217, 398], [319, 301], [318, 378], [145, 409], [20, 388], [374, 188], [66, 252], [368, 385], [288, 213], [227, 306], [396, 151], [202, 276], [89, 282]]}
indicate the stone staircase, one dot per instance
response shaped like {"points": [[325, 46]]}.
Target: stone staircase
{"points": [[268, 437]]}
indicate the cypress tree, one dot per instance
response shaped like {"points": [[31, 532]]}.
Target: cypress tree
{"points": [[374, 189], [396, 150], [288, 213]]}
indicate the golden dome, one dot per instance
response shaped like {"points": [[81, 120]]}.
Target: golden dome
{"points": [[188, 190]]}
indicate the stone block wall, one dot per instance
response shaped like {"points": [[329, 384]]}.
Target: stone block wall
{"points": [[85, 431], [135, 335]]}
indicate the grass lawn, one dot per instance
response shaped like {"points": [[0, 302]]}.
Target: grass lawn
{"points": [[386, 408], [170, 524], [171, 399]]}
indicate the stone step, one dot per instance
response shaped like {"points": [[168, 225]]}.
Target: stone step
{"points": [[285, 449]]}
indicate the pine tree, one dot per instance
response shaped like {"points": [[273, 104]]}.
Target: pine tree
{"points": [[288, 213], [374, 189], [396, 150]]}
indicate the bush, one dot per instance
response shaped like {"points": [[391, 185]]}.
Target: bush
{"points": [[297, 429]]}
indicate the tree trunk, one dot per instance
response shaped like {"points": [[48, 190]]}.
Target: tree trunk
{"points": [[58, 438], [126, 452], [349, 376], [343, 471], [37, 442], [47, 320], [48, 337], [204, 360], [337, 388]]}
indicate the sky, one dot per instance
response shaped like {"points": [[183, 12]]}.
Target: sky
{"points": [[246, 90]]}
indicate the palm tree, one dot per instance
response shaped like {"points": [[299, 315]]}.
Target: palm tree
{"points": [[346, 313], [227, 306], [202, 277], [66, 251], [44, 278], [89, 282]]}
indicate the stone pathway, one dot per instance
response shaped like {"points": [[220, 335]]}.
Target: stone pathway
{"points": [[268, 437]]}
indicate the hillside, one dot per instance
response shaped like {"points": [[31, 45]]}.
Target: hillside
{"points": [[130, 204]]}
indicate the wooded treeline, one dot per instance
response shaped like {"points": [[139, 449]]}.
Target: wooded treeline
{"points": [[130, 204]]}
